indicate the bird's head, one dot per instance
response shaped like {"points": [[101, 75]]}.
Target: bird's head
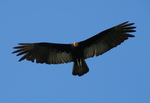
{"points": [[75, 44]]}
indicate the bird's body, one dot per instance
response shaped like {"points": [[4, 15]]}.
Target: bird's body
{"points": [[77, 52]]}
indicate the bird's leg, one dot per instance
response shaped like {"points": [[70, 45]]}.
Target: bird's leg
{"points": [[78, 62], [81, 62]]}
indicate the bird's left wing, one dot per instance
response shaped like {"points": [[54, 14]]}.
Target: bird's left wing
{"points": [[49, 53], [106, 40]]}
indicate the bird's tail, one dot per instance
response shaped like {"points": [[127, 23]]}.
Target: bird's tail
{"points": [[80, 67]]}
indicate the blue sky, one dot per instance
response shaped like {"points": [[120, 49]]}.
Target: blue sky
{"points": [[121, 75]]}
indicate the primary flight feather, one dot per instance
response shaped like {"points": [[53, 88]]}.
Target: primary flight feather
{"points": [[77, 52]]}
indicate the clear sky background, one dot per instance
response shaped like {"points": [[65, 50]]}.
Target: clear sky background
{"points": [[121, 75]]}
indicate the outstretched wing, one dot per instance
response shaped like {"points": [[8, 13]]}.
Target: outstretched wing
{"points": [[106, 40], [48, 53]]}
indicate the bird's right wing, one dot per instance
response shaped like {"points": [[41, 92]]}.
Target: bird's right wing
{"points": [[48, 53], [106, 40]]}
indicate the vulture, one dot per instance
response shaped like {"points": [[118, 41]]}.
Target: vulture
{"points": [[77, 52]]}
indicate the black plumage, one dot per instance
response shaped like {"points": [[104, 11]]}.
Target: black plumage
{"points": [[54, 53]]}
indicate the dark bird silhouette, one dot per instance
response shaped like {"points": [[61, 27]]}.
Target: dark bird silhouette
{"points": [[77, 52]]}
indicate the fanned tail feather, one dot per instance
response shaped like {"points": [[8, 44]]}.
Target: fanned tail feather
{"points": [[80, 67]]}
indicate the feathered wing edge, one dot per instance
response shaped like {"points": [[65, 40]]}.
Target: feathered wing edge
{"points": [[48, 53], [106, 40]]}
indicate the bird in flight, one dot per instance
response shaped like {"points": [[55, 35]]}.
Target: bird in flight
{"points": [[77, 52]]}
